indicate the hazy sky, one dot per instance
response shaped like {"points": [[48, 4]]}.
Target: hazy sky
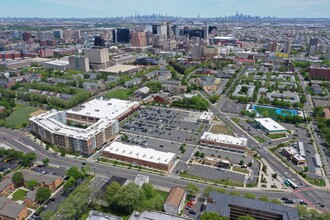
{"points": [[185, 8]]}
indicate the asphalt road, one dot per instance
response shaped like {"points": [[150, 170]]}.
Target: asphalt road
{"points": [[23, 143]]}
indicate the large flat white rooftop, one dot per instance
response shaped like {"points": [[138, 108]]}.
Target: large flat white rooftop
{"points": [[224, 139], [100, 108], [270, 124], [50, 122], [140, 153], [58, 62], [117, 69]]}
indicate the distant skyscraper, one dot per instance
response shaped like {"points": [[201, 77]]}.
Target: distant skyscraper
{"points": [[79, 63], [273, 46], [76, 35], [139, 39], [170, 33], [328, 53], [58, 34], [45, 35], [26, 36], [287, 46], [155, 28], [213, 30], [121, 35], [206, 32], [313, 42], [176, 30], [68, 34], [99, 41], [162, 31]]}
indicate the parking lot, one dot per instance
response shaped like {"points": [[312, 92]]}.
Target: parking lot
{"points": [[161, 145], [196, 210], [214, 173], [59, 171], [169, 124], [232, 107], [232, 156]]}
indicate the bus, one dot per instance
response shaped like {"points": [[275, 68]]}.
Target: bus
{"points": [[288, 182]]}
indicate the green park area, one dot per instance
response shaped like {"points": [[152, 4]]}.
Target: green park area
{"points": [[118, 94], [20, 116], [276, 136], [271, 112], [19, 194]]}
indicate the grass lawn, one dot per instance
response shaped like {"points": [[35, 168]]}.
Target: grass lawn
{"points": [[20, 115], [226, 182], [271, 111], [19, 194], [236, 120], [316, 182], [119, 94], [276, 136], [221, 129], [241, 170], [259, 139]]}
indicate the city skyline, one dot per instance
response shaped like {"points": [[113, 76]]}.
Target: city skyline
{"points": [[184, 8]]}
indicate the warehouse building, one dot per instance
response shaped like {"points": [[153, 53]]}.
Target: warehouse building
{"points": [[137, 155], [270, 126], [224, 142], [61, 65]]}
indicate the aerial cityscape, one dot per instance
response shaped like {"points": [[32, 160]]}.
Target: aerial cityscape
{"points": [[165, 110]]}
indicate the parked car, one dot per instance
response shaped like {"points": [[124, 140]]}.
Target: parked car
{"points": [[192, 212]]}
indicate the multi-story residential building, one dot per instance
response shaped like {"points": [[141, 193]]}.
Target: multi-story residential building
{"points": [[84, 128]]}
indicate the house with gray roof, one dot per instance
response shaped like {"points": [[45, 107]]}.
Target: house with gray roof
{"points": [[234, 206], [10, 210]]}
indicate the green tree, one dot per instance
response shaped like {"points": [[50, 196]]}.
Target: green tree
{"points": [[209, 189], [42, 194], [127, 199], [241, 162], [192, 189], [74, 172], [148, 190], [246, 217], [111, 190], [46, 215], [31, 184], [70, 183], [74, 205], [197, 154], [18, 179], [214, 98], [212, 216], [45, 161], [27, 159]]}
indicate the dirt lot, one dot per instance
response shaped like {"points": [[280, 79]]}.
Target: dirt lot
{"points": [[36, 113], [221, 129]]}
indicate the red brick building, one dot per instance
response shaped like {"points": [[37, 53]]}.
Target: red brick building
{"points": [[319, 73]]}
